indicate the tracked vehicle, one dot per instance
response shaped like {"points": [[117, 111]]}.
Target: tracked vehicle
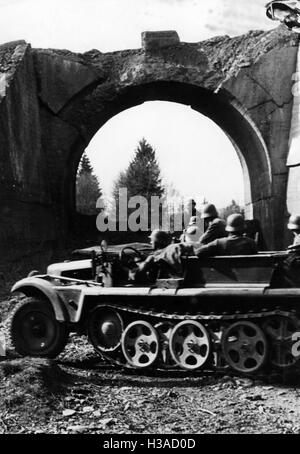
{"points": [[239, 313]]}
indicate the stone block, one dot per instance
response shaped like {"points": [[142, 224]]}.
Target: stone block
{"points": [[60, 79], [160, 39]]}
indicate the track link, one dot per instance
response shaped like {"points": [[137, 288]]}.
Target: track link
{"points": [[270, 343]]}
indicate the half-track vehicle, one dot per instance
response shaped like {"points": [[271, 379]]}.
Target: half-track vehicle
{"points": [[225, 312]]}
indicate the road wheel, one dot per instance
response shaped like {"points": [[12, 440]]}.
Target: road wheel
{"points": [[34, 331], [244, 347]]}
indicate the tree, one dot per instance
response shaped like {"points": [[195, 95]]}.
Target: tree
{"points": [[85, 165], [142, 176], [121, 182], [230, 209], [87, 188]]}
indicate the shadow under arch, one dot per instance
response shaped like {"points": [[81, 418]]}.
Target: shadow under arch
{"points": [[220, 107]]}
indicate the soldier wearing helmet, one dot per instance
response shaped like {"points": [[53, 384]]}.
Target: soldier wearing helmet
{"points": [[159, 239], [234, 244], [214, 227], [193, 232], [294, 226]]}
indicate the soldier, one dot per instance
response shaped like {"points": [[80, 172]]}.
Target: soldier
{"points": [[294, 226], [159, 240], [253, 230], [234, 244], [214, 227], [166, 258], [192, 233]]}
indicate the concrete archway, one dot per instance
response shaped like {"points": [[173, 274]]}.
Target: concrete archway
{"points": [[52, 102], [220, 108]]}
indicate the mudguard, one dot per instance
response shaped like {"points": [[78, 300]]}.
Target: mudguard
{"points": [[30, 286]]}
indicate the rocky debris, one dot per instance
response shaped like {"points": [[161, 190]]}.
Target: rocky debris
{"points": [[233, 54], [255, 397], [79, 351], [245, 382], [112, 402], [282, 392], [31, 388], [8, 55], [67, 412], [87, 409]]}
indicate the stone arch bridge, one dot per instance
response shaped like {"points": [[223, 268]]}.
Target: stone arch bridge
{"points": [[52, 102]]}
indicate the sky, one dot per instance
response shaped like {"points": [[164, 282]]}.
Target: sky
{"points": [[194, 154]]}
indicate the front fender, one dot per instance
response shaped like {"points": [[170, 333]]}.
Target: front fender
{"points": [[33, 286]]}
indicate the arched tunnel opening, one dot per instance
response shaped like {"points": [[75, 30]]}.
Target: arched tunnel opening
{"points": [[219, 107]]}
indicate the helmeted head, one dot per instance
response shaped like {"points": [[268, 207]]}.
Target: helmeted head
{"points": [[159, 239], [193, 220], [209, 211], [274, 7], [286, 11], [235, 223], [294, 223]]}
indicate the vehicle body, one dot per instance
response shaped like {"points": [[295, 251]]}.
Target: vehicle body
{"points": [[238, 312]]}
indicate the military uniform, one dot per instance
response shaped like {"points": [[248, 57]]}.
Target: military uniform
{"points": [[147, 269], [167, 261], [171, 256], [216, 229], [150, 260], [231, 245], [192, 234]]}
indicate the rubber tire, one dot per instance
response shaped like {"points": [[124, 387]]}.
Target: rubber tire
{"points": [[18, 343]]}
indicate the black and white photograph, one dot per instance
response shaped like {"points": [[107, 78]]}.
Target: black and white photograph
{"points": [[149, 220]]}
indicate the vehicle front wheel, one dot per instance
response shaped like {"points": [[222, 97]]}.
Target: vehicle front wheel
{"points": [[34, 330]]}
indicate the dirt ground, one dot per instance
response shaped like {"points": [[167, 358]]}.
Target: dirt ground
{"points": [[78, 393]]}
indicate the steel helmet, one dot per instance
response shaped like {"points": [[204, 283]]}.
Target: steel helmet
{"points": [[209, 211], [160, 238], [285, 5], [193, 220], [192, 234], [294, 222], [235, 223], [290, 8], [191, 230]]}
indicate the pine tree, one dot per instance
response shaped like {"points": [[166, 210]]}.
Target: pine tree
{"points": [[87, 188], [121, 182], [85, 165], [142, 176]]}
